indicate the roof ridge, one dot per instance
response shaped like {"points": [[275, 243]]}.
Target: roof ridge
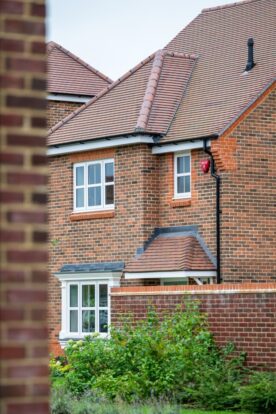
{"points": [[226, 6], [51, 45], [100, 95], [150, 91], [152, 85]]}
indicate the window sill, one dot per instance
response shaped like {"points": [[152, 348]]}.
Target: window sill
{"points": [[181, 203], [92, 215]]}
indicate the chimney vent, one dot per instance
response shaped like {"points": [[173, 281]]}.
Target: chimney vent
{"points": [[250, 61]]}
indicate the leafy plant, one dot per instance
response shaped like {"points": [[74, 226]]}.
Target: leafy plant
{"points": [[173, 357], [259, 395]]}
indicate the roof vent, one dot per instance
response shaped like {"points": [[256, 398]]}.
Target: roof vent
{"points": [[250, 61]]}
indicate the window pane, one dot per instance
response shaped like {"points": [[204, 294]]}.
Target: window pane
{"points": [[109, 194], [73, 296], [80, 176], [103, 324], [79, 197], [180, 185], [88, 296], [187, 184], [88, 321], [187, 164], [94, 196], [73, 321], [180, 165], [109, 172], [94, 174], [103, 295]]}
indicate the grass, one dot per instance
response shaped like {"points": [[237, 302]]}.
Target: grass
{"points": [[85, 407]]}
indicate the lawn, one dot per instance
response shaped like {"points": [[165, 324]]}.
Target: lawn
{"points": [[84, 407]]}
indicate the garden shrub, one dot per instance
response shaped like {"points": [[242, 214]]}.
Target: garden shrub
{"points": [[259, 395], [173, 357]]}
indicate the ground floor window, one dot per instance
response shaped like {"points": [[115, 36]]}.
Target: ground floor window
{"points": [[88, 308], [85, 302]]}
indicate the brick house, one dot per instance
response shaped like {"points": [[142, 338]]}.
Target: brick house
{"points": [[166, 176]]}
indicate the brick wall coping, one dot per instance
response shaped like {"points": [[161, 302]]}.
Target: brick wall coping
{"points": [[225, 288]]}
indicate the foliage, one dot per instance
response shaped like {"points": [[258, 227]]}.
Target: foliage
{"points": [[259, 395], [173, 358]]}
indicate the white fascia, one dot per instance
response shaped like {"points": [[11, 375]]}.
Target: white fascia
{"points": [[168, 275], [179, 147], [112, 277], [98, 144], [68, 98]]}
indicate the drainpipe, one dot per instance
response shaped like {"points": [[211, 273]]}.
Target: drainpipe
{"points": [[217, 178]]}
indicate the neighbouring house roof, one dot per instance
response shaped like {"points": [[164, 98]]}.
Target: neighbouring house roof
{"points": [[68, 74], [172, 251], [145, 98], [195, 87]]}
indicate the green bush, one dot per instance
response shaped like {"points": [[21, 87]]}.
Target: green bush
{"points": [[174, 358], [259, 395]]}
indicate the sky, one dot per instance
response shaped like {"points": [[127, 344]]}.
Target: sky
{"points": [[114, 35]]}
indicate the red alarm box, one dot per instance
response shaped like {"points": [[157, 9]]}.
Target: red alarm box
{"points": [[205, 166]]}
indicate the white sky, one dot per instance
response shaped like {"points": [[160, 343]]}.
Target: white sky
{"points": [[115, 35]]}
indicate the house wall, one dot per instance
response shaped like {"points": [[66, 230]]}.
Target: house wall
{"points": [[247, 162], [24, 353], [243, 314], [88, 238], [56, 111]]}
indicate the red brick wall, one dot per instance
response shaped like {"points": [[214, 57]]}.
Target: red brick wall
{"points": [[23, 212], [199, 210], [248, 198], [93, 239], [56, 111], [244, 314]]}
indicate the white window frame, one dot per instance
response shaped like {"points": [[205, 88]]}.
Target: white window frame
{"points": [[111, 279], [80, 308], [85, 186], [177, 195]]}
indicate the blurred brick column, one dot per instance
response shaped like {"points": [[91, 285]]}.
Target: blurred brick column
{"points": [[23, 210]]}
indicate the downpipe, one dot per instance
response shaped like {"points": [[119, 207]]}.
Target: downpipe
{"points": [[218, 212]]}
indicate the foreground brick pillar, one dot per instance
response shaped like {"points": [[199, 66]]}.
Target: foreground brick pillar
{"points": [[23, 227]]}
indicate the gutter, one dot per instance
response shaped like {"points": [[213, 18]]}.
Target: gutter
{"points": [[218, 212]]}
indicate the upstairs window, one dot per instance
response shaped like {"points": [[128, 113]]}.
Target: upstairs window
{"points": [[182, 175], [94, 185]]}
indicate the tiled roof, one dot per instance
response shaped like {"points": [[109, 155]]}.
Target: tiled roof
{"points": [[193, 88], [67, 74], [218, 91], [171, 252], [144, 99]]}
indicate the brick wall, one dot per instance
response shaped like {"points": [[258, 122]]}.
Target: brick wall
{"points": [[88, 238], [243, 314], [23, 214], [248, 197], [56, 111]]}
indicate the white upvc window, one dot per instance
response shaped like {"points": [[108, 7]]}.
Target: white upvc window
{"points": [[182, 175], [94, 185], [85, 307], [88, 308]]}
